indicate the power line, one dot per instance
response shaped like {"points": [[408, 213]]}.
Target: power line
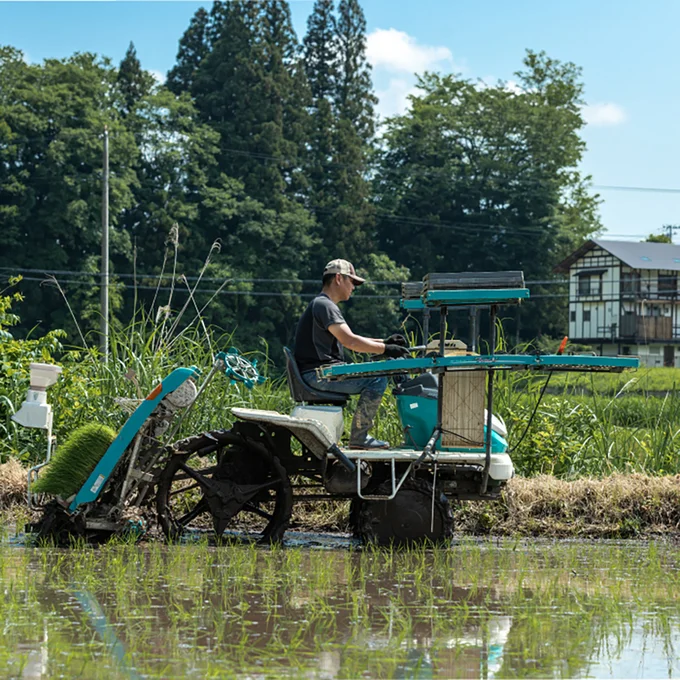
{"points": [[317, 282], [207, 290], [614, 297], [651, 190], [412, 169], [288, 294], [460, 227]]}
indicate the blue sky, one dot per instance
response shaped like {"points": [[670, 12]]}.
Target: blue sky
{"points": [[627, 50]]}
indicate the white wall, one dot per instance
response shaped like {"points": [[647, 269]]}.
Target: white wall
{"points": [[604, 309]]}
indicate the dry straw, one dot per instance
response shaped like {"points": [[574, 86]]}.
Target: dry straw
{"points": [[616, 506], [12, 483]]}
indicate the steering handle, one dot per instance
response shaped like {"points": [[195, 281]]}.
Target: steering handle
{"points": [[238, 369]]}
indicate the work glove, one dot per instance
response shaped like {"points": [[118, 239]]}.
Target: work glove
{"points": [[393, 351], [396, 339]]}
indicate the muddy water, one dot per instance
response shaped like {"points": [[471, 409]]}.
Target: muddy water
{"points": [[324, 608]]}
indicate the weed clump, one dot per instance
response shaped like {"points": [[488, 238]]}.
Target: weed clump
{"points": [[74, 460], [12, 483]]}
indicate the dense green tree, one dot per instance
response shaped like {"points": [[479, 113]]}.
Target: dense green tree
{"points": [[342, 131], [483, 178], [193, 47], [267, 150], [175, 167], [132, 81], [659, 238], [354, 90], [321, 68], [216, 22], [339, 154], [52, 118], [251, 89]]}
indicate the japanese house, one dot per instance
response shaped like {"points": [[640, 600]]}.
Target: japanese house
{"points": [[623, 299]]}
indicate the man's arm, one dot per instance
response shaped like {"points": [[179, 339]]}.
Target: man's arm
{"points": [[357, 343]]}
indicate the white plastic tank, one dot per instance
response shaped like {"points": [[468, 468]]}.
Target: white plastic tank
{"points": [[35, 411]]}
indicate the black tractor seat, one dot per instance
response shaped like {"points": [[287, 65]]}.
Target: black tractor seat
{"points": [[300, 391]]}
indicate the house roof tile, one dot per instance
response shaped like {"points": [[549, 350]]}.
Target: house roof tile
{"points": [[638, 255]]}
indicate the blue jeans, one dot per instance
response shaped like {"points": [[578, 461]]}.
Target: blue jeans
{"points": [[370, 391]]}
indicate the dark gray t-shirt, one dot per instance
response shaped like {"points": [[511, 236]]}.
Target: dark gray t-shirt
{"points": [[315, 345]]}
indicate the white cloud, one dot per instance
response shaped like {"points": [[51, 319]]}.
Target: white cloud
{"points": [[158, 76], [393, 99], [602, 114], [396, 57], [398, 52]]}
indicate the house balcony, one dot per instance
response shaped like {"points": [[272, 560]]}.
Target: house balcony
{"points": [[647, 327]]}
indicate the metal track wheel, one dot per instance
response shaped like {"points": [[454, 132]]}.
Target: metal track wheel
{"points": [[237, 486], [407, 518]]}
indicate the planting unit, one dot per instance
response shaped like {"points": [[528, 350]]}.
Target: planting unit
{"points": [[243, 481]]}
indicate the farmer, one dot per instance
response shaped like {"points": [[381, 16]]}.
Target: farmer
{"points": [[321, 335]]}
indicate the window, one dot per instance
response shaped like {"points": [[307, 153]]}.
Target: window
{"points": [[668, 284], [630, 282], [590, 285], [572, 316], [586, 315]]}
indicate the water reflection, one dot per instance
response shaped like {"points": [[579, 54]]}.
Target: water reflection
{"points": [[475, 610], [100, 624]]}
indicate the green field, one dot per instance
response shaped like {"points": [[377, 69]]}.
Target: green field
{"points": [[640, 381]]}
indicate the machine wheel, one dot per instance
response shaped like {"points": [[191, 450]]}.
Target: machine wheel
{"points": [[406, 519], [242, 488]]}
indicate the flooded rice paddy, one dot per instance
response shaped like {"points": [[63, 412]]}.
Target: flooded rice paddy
{"points": [[322, 607]]}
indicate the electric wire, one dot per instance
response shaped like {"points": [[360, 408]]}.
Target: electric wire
{"points": [[83, 272], [462, 227], [270, 293], [359, 167]]}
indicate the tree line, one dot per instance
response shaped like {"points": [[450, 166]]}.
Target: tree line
{"points": [[261, 158]]}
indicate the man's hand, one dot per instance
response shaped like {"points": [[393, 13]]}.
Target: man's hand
{"points": [[396, 339], [393, 351]]}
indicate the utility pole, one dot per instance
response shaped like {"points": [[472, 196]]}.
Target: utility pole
{"points": [[670, 228], [105, 251]]}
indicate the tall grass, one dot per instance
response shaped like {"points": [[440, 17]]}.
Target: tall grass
{"points": [[140, 356], [579, 435]]}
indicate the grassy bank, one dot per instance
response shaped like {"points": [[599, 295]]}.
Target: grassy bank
{"points": [[618, 506]]}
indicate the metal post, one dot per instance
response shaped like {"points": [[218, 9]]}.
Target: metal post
{"points": [[473, 329], [489, 403], [443, 310], [105, 252], [426, 329]]}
